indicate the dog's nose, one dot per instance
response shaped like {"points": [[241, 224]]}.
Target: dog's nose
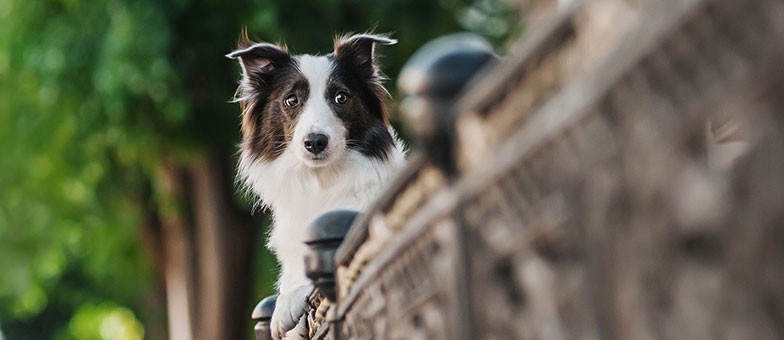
{"points": [[316, 142]]}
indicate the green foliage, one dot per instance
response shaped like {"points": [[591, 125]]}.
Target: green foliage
{"points": [[105, 322], [94, 95], [81, 120]]}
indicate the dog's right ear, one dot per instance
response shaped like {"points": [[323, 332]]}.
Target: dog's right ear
{"points": [[258, 58]]}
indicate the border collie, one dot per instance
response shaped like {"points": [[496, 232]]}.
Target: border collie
{"points": [[315, 138]]}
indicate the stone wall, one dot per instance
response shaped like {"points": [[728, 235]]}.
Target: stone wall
{"points": [[618, 175]]}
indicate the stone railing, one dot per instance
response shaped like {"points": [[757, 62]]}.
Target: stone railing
{"points": [[619, 174]]}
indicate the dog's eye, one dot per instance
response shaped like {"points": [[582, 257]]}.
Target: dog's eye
{"points": [[341, 98], [291, 100]]}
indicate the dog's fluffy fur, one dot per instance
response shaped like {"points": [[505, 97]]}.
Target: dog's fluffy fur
{"points": [[288, 102]]}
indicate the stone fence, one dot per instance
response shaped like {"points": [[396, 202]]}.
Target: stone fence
{"points": [[619, 174]]}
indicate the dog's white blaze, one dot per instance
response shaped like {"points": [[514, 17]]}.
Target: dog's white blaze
{"points": [[317, 115]]}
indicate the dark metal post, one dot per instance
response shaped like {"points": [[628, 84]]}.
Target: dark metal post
{"points": [[262, 314], [324, 236], [432, 80]]}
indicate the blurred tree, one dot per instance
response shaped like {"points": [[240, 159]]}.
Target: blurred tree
{"points": [[116, 132]]}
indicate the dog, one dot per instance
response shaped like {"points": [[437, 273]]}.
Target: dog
{"points": [[315, 138]]}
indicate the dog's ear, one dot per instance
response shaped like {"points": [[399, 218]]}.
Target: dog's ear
{"points": [[360, 47], [258, 58]]}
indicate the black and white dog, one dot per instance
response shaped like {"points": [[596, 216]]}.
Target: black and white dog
{"points": [[315, 138]]}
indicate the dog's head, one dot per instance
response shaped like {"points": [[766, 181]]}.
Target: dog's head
{"points": [[316, 107]]}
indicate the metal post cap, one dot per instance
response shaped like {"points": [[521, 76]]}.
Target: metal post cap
{"points": [[443, 66], [264, 308], [330, 226]]}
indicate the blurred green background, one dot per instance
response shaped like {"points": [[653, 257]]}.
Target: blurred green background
{"points": [[117, 155]]}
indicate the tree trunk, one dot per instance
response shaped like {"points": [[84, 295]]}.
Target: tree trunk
{"points": [[207, 247], [178, 250], [224, 247]]}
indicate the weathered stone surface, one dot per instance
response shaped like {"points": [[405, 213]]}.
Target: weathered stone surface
{"points": [[631, 191]]}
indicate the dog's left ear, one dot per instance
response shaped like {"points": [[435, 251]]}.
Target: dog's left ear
{"points": [[360, 47]]}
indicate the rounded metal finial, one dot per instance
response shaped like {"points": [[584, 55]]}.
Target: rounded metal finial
{"points": [[323, 238], [263, 315], [432, 80], [264, 308], [330, 226], [443, 66]]}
